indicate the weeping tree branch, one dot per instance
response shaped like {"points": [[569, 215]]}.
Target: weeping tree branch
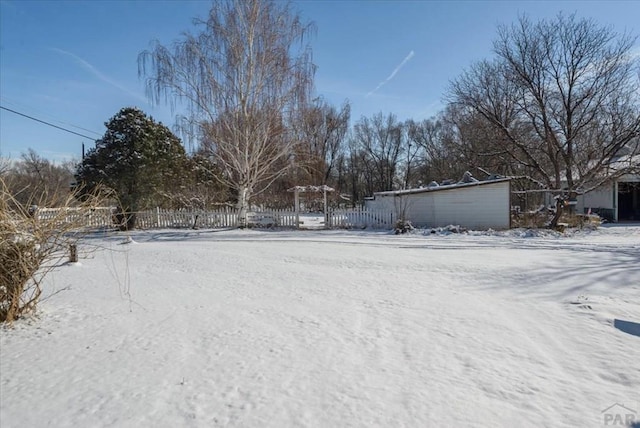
{"points": [[243, 77]]}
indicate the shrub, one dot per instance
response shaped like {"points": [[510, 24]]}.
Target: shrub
{"points": [[403, 226], [31, 246]]}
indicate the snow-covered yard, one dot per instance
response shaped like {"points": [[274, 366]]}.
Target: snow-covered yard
{"points": [[332, 329]]}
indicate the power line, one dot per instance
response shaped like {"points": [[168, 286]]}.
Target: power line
{"points": [[19, 106], [47, 123]]}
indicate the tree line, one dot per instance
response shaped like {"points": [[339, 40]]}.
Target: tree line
{"points": [[558, 104]]}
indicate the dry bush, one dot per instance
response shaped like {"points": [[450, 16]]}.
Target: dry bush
{"points": [[541, 220], [581, 220], [531, 220], [30, 247]]}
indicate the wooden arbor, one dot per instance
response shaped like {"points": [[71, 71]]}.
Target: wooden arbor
{"points": [[311, 189]]}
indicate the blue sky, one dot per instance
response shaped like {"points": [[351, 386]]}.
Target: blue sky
{"points": [[74, 63]]}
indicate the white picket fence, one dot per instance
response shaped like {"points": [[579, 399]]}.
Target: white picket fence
{"points": [[95, 217], [164, 218], [359, 218]]}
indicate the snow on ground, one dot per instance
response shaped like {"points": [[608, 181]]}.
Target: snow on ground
{"points": [[332, 329]]}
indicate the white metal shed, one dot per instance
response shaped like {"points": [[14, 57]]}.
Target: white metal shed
{"points": [[475, 205]]}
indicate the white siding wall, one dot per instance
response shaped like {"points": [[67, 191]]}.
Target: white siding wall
{"points": [[474, 207], [602, 197]]}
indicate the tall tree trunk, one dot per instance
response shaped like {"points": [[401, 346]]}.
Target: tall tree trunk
{"points": [[243, 206], [559, 210]]}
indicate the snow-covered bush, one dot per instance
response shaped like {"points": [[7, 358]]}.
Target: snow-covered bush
{"points": [[403, 226], [447, 230]]}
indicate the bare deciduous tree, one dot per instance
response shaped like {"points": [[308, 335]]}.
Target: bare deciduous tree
{"points": [[34, 178], [5, 166], [476, 144], [243, 77], [323, 129], [564, 96], [381, 140], [435, 157]]}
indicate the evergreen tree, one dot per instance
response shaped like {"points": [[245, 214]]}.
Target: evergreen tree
{"points": [[137, 158]]}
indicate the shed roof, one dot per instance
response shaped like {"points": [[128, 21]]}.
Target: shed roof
{"points": [[440, 188]]}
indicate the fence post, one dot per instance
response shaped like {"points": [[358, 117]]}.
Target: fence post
{"points": [[73, 253], [297, 202]]}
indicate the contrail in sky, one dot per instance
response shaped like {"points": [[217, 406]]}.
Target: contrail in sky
{"points": [[97, 73], [393, 73]]}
